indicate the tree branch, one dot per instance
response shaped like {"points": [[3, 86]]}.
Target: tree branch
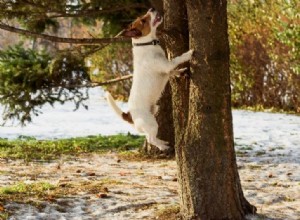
{"points": [[96, 84], [87, 41], [49, 13], [92, 13], [119, 79]]}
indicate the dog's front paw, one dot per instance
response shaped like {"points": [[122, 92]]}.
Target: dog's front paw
{"points": [[187, 55], [181, 70]]}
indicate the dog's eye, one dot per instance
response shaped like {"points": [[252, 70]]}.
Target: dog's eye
{"points": [[143, 21]]}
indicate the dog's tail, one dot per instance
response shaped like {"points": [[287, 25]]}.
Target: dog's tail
{"points": [[125, 116]]}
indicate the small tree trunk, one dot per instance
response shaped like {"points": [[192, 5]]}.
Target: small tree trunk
{"points": [[176, 38], [209, 182]]}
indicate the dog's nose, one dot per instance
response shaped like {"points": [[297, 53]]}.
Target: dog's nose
{"points": [[151, 9]]}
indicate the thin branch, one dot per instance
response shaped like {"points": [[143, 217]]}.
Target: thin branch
{"points": [[119, 79], [96, 84], [86, 41], [89, 85]]}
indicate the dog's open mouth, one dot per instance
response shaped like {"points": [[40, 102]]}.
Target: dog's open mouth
{"points": [[157, 19]]}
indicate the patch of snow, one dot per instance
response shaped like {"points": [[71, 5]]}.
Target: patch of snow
{"points": [[136, 195], [63, 122], [268, 156], [267, 134]]}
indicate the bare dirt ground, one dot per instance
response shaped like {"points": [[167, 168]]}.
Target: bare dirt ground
{"points": [[107, 187]]}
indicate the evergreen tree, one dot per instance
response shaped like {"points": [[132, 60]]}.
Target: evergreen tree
{"points": [[31, 78]]}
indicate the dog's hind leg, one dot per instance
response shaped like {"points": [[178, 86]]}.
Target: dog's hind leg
{"points": [[152, 139], [162, 145], [149, 126]]}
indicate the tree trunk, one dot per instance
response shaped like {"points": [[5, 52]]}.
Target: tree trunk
{"points": [[209, 182], [176, 38]]}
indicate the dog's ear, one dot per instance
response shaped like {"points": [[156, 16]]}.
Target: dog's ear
{"points": [[131, 32]]}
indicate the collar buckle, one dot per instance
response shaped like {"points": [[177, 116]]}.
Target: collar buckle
{"points": [[154, 43]]}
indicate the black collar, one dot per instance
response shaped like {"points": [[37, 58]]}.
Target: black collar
{"points": [[154, 42]]}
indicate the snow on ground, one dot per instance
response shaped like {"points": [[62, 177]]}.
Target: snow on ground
{"points": [[267, 148], [63, 122], [136, 189]]}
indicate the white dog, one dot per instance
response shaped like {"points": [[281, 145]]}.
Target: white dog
{"points": [[152, 71]]}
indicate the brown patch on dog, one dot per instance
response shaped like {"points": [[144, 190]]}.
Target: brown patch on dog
{"points": [[153, 109], [127, 117], [139, 28]]}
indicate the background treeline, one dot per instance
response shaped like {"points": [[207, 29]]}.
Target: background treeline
{"points": [[265, 53], [264, 39]]}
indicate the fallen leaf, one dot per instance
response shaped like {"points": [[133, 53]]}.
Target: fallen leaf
{"points": [[91, 174], [123, 173], [102, 195], [33, 178], [62, 184], [1, 208], [50, 198]]}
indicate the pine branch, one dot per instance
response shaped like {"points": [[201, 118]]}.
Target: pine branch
{"points": [[46, 10], [92, 13], [86, 41]]}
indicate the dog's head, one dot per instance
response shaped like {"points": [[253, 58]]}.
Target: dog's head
{"points": [[144, 25]]}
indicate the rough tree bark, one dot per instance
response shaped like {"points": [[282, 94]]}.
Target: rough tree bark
{"points": [[176, 38], [209, 182]]}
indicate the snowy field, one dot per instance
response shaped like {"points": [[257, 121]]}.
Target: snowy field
{"points": [[267, 147], [63, 122]]}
